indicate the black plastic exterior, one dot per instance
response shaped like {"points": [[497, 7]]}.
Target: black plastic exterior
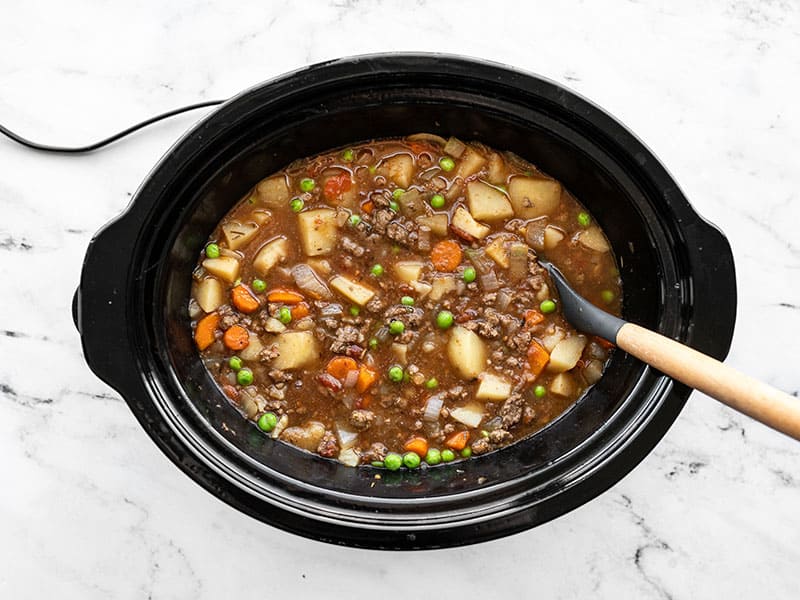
{"points": [[130, 307]]}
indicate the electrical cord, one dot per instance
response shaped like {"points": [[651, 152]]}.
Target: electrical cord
{"points": [[97, 145]]}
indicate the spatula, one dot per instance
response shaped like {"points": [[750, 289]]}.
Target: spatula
{"points": [[741, 392]]}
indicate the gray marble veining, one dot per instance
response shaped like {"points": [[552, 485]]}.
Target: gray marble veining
{"points": [[89, 506]]}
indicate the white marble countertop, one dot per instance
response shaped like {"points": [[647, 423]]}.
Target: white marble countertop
{"points": [[91, 509]]}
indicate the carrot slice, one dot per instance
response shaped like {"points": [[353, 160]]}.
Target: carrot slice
{"points": [[446, 256], [533, 317], [418, 445], [300, 310], [603, 342], [204, 334], [368, 207], [243, 299], [236, 338], [284, 296], [538, 357], [458, 440], [340, 366], [363, 402], [366, 377], [336, 185]]}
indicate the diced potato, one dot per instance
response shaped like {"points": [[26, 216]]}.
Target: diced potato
{"points": [[442, 286], [497, 169], [209, 294], [238, 234], [307, 437], [349, 457], [352, 290], [487, 203], [400, 352], [463, 221], [563, 385], [282, 423], [496, 250], [271, 254], [467, 352], [534, 196], [273, 192], [261, 216], [454, 147], [272, 325], [470, 415], [253, 348], [438, 223], [399, 169], [593, 239], [566, 354], [408, 270], [224, 267], [318, 231], [470, 163], [550, 340], [421, 288], [493, 387], [552, 236], [296, 349]]}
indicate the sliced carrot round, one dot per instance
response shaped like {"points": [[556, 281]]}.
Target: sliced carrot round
{"points": [[419, 445], [446, 256], [458, 440], [340, 366], [236, 338], [243, 299]]}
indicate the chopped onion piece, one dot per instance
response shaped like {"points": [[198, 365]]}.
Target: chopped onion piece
{"points": [[306, 279], [347, 437], [427, 137], [350, 379], [517, 261], [433, 407], [331, 310]]}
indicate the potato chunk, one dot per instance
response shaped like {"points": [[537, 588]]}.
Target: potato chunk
{"points": [[306, 437], [471, 162], [566, 354], [209, 294], [467, 352], [470, 415], [496, 250], [463, 222], [224, 267], [441, 286], [487, 203], [493, 387], [273, 192], [552, 236], [296, 349], [399, 169], [533, 197], [437, 223], [253, 348], [563, 385], [593, 239], [270, 255], [238, 234], [318, 231], [408, 270], [352, 290]]}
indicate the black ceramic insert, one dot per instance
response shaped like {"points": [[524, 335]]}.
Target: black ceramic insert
{"points": [[130, 307]]}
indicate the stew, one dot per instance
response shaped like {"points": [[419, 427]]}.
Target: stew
{"points": [[383, 304]]}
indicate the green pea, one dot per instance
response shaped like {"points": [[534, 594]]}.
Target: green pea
{"points": [[484, 433], [297, 204], [448, 455], [447, 163], [347, 155], [284, 315], [444, 320], [355, 310], [411, 460], [244, 377], [212, 251], [377, 463], [395, 373], [354, 220], [396, 327], [377, 270], [540, 391], [397, 193], [373, 343], [469, 275], [547, 306], [437, 201], [307, 184], [407, 301], [267, 421], [584, 219], [393, 461], [394, 205], [607, 296], [235, 363], [432, 383], [433, 457], [259, 285], [372, 169], [466, 452]]}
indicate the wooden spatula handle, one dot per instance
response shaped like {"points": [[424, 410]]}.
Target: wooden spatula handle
{"points": [[754, 398]]}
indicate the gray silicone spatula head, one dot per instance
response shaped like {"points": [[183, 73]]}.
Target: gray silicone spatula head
{"points": [[582, 314]]}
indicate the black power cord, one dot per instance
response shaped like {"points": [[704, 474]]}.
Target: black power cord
{"points": [[91, 147]]}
